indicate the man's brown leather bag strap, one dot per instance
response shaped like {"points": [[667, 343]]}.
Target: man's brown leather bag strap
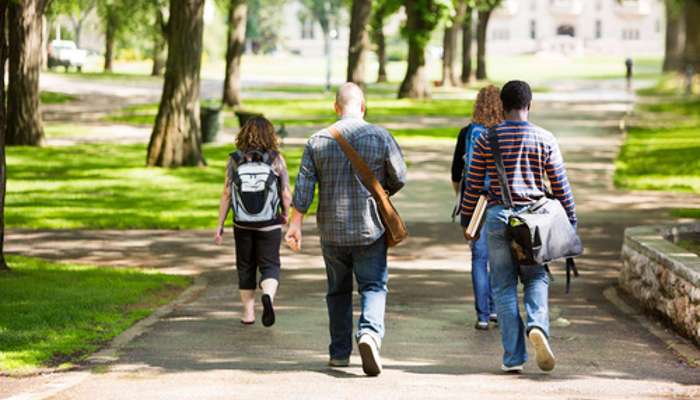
{"points": [[368, 179]]}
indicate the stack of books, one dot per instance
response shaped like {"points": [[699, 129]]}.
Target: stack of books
{"points": [[478, 216]]}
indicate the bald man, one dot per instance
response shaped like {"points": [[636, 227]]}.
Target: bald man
{"points": [[352, 235]]}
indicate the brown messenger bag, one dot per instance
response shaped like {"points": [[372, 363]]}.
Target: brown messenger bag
{"points": [[394, 226]]}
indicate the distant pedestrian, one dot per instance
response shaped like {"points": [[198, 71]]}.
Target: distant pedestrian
{"points": [[488, 112], [530, 156], [257, 189], [689, 73], [629, 72], [352, 235]]}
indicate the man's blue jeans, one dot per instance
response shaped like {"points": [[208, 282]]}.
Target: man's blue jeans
{"points": [[483, 299], [504, 283], [368, 263]]}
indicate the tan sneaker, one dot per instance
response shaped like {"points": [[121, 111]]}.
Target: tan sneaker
{"points": [[543, 353], [369, 352]]}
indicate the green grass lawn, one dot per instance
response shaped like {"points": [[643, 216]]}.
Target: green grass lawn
{"points": [[52, 315], [61, 129], [54, 97], [105, 186], [316, 111], [662, 148], [660, 159]]}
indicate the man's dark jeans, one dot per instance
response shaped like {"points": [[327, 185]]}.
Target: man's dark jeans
{"points": [[368, 263]]}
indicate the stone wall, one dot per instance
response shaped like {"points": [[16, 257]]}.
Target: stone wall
{"points": [[662, 276]]}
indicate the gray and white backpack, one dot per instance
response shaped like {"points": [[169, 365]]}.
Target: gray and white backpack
{"points": [[255, 187]]}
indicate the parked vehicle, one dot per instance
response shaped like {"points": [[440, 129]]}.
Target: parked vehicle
{"points": [[66, 54]]}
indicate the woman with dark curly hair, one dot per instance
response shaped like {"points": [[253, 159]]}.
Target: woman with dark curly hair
{"points": [[488, 112], [257, 189]]}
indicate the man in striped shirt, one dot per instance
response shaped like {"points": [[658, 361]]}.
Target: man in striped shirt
{"points": [[531, 156]]}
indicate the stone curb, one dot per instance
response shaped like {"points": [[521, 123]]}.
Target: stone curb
{"points": [[651, 240], [680, 346]]}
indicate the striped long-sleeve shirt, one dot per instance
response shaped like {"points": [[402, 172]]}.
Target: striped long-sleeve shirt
{"points": [[530, 155]]}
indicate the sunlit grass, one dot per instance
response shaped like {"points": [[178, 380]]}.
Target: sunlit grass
{"points": [[316, 111], [60, 130], [107, 186], [661, 151], [55, 97], [52, 315]]}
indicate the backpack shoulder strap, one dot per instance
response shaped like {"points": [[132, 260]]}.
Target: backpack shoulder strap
{"points": [[238, 157], [269, 157], [500, 168]]}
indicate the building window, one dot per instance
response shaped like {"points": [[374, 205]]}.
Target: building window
{"points": [[501, 34], [630, 34], [533, 29], [566, 30], [599, 5], [307, 28], [533, 5], [657, 27], [598, 29]]}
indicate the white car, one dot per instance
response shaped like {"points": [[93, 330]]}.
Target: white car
{"points": [[65, 53]]}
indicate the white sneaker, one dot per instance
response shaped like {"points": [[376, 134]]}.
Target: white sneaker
{"points": [[515, 368], [543, 353], [481, 325], [339, 362], [369, 352], [493, 317]]}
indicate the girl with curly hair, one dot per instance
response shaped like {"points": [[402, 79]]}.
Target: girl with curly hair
{"points": [[488, 112], [257, 235]]}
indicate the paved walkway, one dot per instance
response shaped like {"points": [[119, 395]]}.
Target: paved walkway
{"points": [[431, 350]]}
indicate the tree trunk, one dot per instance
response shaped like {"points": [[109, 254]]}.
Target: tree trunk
{"points": [[467, 46], [110, 37], [691, 55], [449, 48], [328, 52], [159, 54], [3, 169], [176, 138], [377, 23], [234, 52], [77, 29], [481, 30], [359, 40], [159, 45], [675, 38], [381, 56], [24, 125], [415, 84]]}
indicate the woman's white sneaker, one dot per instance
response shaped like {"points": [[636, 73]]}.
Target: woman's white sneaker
{"points": [[512, 369], [543, 353]]}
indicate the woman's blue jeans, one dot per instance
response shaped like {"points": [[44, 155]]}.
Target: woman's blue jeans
{"points": [[504, 283], [483, 299]]}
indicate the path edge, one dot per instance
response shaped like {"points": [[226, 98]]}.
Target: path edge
{"points": [[674, 342], [110, 353]]}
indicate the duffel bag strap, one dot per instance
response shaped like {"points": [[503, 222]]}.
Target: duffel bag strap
{"points": [[570, 267], [500, 169]]}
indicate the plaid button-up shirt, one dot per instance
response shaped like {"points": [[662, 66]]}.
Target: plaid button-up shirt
{"points": [[347, 213]]}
